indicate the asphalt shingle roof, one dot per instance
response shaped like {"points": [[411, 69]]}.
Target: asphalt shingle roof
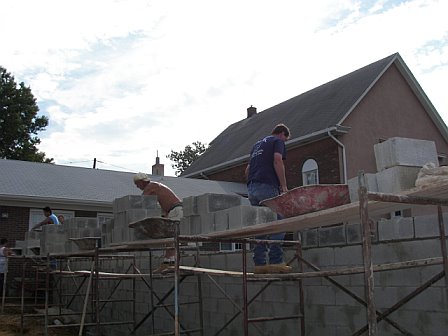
{"points": [[43, 180], [318, 109]]}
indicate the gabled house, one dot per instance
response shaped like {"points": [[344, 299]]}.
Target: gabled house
{"points": [[334, 127]]}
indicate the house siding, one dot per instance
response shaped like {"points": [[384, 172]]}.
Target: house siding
{"points": [[390, 109]]}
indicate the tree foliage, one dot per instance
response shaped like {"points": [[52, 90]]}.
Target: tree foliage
{"points": [[185, 158], [19, 123]]}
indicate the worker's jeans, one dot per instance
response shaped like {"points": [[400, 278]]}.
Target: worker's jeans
{"points": [[257, 193]]}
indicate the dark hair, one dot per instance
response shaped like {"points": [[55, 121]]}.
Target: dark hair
{"points": [[3, 241], [281, 128], [47, 209]]}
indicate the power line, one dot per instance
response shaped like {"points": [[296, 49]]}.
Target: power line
{"points": [[128, 169]]}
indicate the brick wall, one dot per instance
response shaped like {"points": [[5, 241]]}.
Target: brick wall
{"points": [[13, 227], [324, 152]]}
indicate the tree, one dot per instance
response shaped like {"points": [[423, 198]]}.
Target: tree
{"points": [[19, 123], [185, 158]]}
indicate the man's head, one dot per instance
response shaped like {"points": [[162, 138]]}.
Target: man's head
{"points": [[141, 180], [3, 241], [47, 211], [282, 131]]}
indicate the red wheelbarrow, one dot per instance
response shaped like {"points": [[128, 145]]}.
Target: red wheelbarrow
{"points": [[301, 200]]}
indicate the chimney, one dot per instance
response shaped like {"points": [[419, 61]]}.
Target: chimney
{"points": [[158, 168], [251, 111]]}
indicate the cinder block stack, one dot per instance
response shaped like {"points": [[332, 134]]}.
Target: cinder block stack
{"points": [[80, 227], [398, 161], [32, 240], [129, 209], [217, 212], [53, 239]]}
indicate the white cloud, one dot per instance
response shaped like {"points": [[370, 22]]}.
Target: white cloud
{"points": [[121, 80]]}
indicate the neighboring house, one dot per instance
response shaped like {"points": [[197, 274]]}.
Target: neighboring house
{"points": [[26, 187], [334, 127]]}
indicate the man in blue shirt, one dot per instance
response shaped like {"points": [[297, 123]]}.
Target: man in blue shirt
{"points": [[265, 176], [50, 218]]}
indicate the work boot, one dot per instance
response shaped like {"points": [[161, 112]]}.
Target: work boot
{"points": [[272, 269], [261, 269], [165, 267], [279, 268]]}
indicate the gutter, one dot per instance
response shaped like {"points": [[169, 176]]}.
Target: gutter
{"points": [[290, 143], [64, 203], [344, 159]]}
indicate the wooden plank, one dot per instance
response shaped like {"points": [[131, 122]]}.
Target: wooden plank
{"points": [[211, 271], [321, 273]]}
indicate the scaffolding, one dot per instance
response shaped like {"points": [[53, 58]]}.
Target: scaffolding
{"points": [[370, 204]]}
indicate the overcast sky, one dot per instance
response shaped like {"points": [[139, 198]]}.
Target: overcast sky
{"points": [[121, 80]]}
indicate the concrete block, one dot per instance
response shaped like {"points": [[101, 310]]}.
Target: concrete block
{"points": [[207, 223], [348, 256], [329, 236], [247, 215], [222, 220], [190, 206], [185, 226], [32, 235], [310, 238], [353, 186], [396, 228], [207, 203], [135, 202], [20, 244], [353, 233], [428, 225], [397, 178], [404, 152]]}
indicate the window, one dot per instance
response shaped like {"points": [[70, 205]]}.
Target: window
{"points": [[230, 246], [103, 218], [310, 172]]}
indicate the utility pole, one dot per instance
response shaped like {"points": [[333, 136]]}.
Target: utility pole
{"points": [[94, 163]]}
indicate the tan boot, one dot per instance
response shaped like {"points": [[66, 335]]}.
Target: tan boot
{"points": [[279, 268], [261, 269]]}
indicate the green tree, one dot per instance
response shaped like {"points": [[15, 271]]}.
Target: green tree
{"points": [[19, 123], [185, 158]]}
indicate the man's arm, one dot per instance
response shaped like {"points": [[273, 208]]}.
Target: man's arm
{"points": [[44, 222], [279, 168]]}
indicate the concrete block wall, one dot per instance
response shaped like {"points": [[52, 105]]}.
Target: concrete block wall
{"points": [[126, 210], [398, 162], [53, 239], [397, 228], [404, 152], [329, 310], [215, 212]]}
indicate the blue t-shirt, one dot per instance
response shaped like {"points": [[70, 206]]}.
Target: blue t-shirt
{"points": [[54, 219], [261, 163]]}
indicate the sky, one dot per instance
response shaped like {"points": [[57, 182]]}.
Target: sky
{"points": [[123, 81]]}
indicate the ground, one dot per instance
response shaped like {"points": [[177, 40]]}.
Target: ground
{"points": [[33, 326]]}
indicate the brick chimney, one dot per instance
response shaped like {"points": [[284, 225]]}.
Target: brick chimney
{"points": [[158, 168], [251, 111]]}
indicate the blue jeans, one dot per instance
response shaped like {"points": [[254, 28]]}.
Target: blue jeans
{"points": [[257, 193]]}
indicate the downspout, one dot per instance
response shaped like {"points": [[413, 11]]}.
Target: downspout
{"points": [[344, 162]]}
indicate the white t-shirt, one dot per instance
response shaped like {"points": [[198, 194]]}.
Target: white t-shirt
{"points": [[2, 259]]}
